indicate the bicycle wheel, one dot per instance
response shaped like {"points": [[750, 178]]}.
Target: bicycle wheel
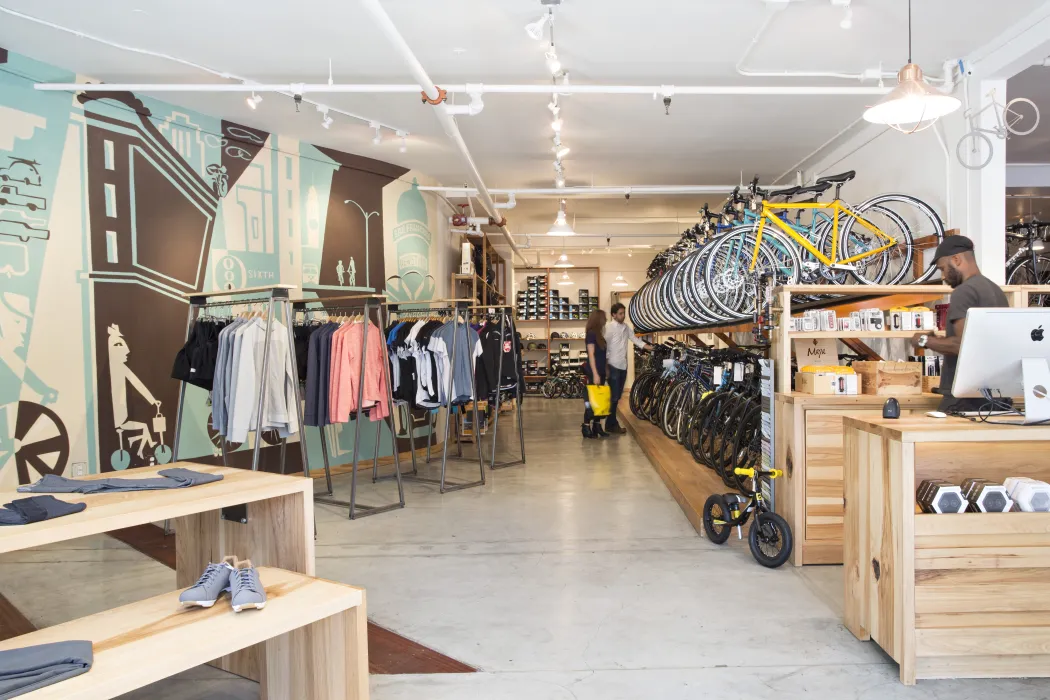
{"points": [[1021, 116], [974, 150], [770, 539], [855, 238], [548, 389], [731, 283], [911, 221], [672, 408], [1022, 273], [716, 519]]}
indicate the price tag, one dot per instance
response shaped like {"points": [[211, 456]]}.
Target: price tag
{"points": [[716, 376], [738, 372]]}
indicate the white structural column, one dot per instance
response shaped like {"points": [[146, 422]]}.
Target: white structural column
{"points": [[989, 237]]}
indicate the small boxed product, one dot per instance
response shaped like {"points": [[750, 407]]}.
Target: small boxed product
{"points": [[876, 320], [830, 380], [857, 320], [986, 497], [940, 496], [1030, 495]]}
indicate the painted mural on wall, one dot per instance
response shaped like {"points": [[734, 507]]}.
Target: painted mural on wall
{"points": [[412, 255], [112, 207]]}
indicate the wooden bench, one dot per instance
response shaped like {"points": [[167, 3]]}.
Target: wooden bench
{"points": [[314, 632]]}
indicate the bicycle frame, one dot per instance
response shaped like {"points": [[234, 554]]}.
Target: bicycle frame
{"points": [[838, 208]]}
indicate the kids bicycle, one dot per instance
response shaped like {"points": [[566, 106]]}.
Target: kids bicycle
{"points": [[769, 537]]}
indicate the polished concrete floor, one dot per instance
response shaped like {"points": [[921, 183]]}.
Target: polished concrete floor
{"points": [[575, 576]]}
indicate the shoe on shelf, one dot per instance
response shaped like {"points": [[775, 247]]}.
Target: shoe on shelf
{"points": [[586, 429], [246, 591], [213, 583], [596, 429]]}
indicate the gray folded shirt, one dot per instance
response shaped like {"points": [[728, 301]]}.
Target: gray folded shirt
{"points": [[31, 668], [175, 478]]}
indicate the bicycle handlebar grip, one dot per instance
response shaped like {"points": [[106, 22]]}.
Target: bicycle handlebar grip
{"points": [[741, 471]]}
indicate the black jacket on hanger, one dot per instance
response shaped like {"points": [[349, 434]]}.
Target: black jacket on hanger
{"points": [[488, 372]]}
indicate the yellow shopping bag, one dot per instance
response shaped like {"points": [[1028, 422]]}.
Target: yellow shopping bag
{"points": [[600, 398]]}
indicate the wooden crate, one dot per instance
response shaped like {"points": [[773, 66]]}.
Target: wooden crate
{"points": [[890, 378], [947, 596], [809, 449]]}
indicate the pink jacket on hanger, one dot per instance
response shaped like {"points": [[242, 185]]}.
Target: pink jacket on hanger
{"points": [[346, 373]]}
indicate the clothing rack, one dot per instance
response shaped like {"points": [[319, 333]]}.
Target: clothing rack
{"points": [[366, 304], [505, 316], [272, 296], [458, 308]]}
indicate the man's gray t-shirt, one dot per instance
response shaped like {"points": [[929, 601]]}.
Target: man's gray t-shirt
{"points": [[976, 292]]}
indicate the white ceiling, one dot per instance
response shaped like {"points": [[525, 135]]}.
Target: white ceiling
{"points": [[615, 140]]}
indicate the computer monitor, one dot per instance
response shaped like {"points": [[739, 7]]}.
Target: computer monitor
{"points": [[1007, 352]]}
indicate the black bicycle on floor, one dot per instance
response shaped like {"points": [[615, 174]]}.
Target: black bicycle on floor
{"points": [[769, 537]]}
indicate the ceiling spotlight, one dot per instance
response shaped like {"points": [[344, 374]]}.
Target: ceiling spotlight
{"points": [[560, 151], [553, 64], [560, 182], [620, 281], [253, 101], [378, 138], [404, 141], [553, 106], [630, 254], [535, 29], [326, 122], [556, 124], [847, 19]]}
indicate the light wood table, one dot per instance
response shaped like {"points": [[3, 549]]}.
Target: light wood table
{"points": [[279, 532], [962, 595], [809, 449]]}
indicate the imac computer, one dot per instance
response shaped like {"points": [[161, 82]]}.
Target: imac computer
{"points": [[1006, 352]]}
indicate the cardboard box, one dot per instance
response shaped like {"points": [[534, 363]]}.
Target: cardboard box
{"points": [[890, 378], [827, 383]]}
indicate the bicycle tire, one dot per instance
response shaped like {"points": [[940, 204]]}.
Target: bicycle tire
{"points": [[715, 509], [768, 526], [920, 221], [1021, 274], [974, 150], [849, 238], [727, 273], [1019, 105]]}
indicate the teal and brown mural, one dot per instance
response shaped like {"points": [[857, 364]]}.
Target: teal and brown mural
{"points": [[112, 207]]}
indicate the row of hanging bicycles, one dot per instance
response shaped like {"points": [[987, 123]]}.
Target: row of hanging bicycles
{"points": [[710, 402], [711, 275]]}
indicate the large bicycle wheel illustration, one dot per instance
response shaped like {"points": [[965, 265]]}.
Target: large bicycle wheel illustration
{"points": [[41, 442]]}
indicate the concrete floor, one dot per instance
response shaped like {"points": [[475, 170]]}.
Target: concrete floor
{"points": [[576, 576]]}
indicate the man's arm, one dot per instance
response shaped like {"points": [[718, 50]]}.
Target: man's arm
{"points": [[945, 346], [636, 340]]}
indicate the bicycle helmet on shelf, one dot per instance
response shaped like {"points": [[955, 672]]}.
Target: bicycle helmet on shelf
{"points": [[554, 335]]}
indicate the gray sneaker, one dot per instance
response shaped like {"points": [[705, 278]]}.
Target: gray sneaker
{"points": [[213, 582], [246, 591]]}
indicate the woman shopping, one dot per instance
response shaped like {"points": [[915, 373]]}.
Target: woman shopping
{"points": [[594, 370]]}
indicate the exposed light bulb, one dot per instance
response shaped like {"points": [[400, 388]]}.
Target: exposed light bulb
{"points": [[253, 101], [563, 258], [553, 64], [556, 124], [560, 182], [629, 254], [847, 19]]}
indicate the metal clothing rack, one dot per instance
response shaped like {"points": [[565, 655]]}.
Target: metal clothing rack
{"points": [[365, 303], [456, 307], [504, 314], [276, 294]]}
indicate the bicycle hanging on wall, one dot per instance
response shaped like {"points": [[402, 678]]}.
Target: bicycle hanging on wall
{"points": [[1018, 117]]}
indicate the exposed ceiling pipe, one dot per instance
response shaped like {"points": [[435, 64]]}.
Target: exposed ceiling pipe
{"points": [[448, 122], [559, 192], [478, 89], [876, 73], [190, 64]]}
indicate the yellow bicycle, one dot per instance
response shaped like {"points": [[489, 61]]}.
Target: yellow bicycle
{"points": [[877, 242]]}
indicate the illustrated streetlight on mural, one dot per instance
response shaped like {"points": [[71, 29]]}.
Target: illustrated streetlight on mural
{"points": [[367, 215]]}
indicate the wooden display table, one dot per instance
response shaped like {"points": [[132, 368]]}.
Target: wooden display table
{"points": [[278, 533], [947, 596], [809, 450]]}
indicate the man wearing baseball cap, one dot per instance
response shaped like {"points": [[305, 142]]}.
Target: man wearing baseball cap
{"points": [[958, 266]]}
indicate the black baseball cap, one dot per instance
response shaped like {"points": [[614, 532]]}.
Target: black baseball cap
{"points": [[952, 245]]}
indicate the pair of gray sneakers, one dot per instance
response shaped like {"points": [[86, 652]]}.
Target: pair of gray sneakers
{"points": [[238, 578]]}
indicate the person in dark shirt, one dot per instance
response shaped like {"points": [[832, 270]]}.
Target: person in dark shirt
{"points": [[958, 266], [595, 370]]}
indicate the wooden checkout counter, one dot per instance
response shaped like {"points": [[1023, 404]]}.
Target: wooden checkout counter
{"points": [[962, 595]]}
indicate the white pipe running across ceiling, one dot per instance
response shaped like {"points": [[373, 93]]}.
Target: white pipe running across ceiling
{"points": [[448, 122], [471, 88], [558, 192]]}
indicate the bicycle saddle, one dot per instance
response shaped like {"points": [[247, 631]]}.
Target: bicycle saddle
{"points": [[819, 188], [783, 193], [838, 179]]}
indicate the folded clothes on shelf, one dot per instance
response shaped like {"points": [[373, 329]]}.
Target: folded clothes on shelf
{"points": [[175, 478], [23, 511], [30, 668]]}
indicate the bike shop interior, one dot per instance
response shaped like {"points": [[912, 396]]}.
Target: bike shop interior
{"points": [[225, 236]]}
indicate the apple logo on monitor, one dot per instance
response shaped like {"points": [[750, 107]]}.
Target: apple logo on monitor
{"points": [[1037, 334]]}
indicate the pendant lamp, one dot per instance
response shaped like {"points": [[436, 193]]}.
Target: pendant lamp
{"points": [[561, 226], [565, 279], [620, 281], [913, 105]]}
